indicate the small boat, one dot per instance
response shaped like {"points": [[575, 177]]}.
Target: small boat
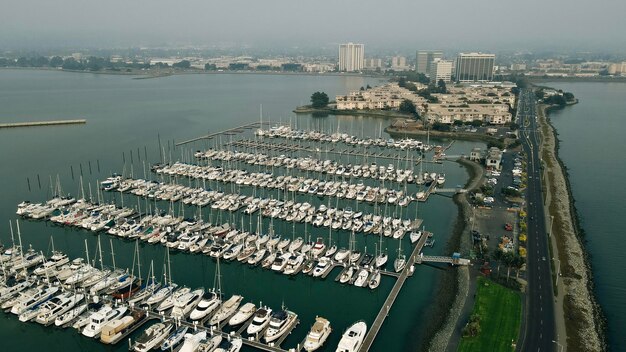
{"points": [[226, 310], [183, 305], [347, 275], [70, 315], [229, 346], [160, 295], [115, 329], [152, 337], [415, 236], [175, 339], [322, 267], [280, 322], [381, 259], [318, 334], [169, 301], [374, 280], [83, 318], [352, 338], [260, 321], [211, 344], [56, 306], [361, 278], [342, 254], [102, 317], [244, 313], [208, 304], [399, 263], [192, 341]]}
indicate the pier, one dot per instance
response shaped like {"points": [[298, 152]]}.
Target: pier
{"points": [[43, 123], [288, 147], [384, 310], [233, 130]]}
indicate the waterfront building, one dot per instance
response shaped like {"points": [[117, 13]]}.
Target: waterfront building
{"points": [[351, 57], [493, 114], [373, 64], [494, 158], [398, 63], [425, 58], [476, 154], [440, 70], [389, 95], [474, 67]]}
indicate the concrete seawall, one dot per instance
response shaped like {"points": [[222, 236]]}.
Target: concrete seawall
{"points": [[43, 123]]}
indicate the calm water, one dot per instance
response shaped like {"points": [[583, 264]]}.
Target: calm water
{"points": [[126, 116], [592, 148]]}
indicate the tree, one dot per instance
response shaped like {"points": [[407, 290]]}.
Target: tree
{"points": [[513, 126], [568, 96], [182, 64], [210, 67], [407, 107], [438, 126], [402, 82], [56, 61], [441, 86], [319, 100]]}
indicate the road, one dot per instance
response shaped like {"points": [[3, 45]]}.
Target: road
{"points": [[539, 331]]}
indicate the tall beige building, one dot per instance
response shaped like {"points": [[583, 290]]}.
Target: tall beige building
{"points": [[440, 70], [424, 58], [351, 57], [474, 67]]}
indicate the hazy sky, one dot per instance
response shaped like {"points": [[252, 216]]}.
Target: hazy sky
{"points": [[461, 24]]}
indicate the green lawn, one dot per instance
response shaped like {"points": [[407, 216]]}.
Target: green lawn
{"points": [[500, 311]]}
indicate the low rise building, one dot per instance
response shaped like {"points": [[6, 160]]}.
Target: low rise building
{"points": [[476, 155], [493, 159]]}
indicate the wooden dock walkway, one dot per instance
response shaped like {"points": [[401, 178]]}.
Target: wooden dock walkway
{"points": [[229, 131], [287, 147], [384, 311], [43, 123]]}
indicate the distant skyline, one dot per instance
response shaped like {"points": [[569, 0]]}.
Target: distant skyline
{"points": [[459, 25]]}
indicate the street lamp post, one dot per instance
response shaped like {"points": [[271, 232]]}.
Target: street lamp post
{"points": [[558, 270]]}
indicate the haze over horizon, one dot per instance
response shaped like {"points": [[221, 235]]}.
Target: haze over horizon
{"points": [[463, 25]]}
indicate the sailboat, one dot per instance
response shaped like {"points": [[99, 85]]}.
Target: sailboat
{"points": [[400, 262]]}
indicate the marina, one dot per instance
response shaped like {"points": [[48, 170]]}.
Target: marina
{"points": [[242, 276]]}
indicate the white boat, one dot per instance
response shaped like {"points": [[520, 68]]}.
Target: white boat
{"points": [[107, 282], [70, 315], [192, 341], [113, 331], [415, 236], [208, 304], [152, 337], [33, 300], [318, 334], [160, 295], [99, 319], [361, 278], [257, 256], [84, 318], [399, 263], [341, 255], [229, 346], [381, 259], [293, 264], [374, 280], [57, 260], [210, 345], [280, 262], [323, 266], [347, 275], [352, 338], [169, 301], [56, 306], [244, 313], [226, 310], [174, 339], [280, 322], [183, 305], [260, 321]]}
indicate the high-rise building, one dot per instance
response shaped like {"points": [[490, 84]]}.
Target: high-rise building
{"points": [[398, 63], [425, 58], [351, 57], [440, 70], [373, 63], [473, 67]]}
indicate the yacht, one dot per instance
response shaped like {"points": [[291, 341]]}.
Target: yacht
{"points": [[257, 256], [70, 315], [342, 254], [110, 280], [361, 278], [211, 344], [318, 334], [280, 262], [269, 260], [152, 337], [192, 341], [85, 317], [229, 346], [280, 322], [293, 264], [347, 275], [374, 280], [399, 263], [226, 310], [99, 319], [56, 261], [184, 304], [11, 300], [260, 321], [161, 294], [169, 301], [116, 328], [208, 304], [318, 248], [352, 339], [56, 306], [323, 266], [244, 313], [415, 236], [34, 299], [172, 342]]}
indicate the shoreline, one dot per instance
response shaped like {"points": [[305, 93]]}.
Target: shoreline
{"points": [[577, 310], [447, 313], [373, 113], [396, 132]]}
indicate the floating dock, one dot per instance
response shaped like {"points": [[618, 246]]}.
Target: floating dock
{"points": [[43, 123], [229, 131]]}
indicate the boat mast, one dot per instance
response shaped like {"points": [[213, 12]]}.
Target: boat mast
{"points": [[112, 253]]}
